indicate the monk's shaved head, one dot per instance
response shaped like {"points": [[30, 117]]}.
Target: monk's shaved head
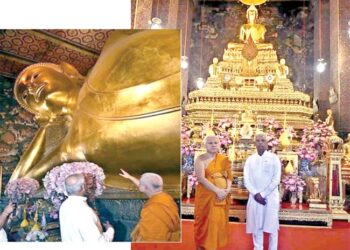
{"points": [[212, 144], [153, 182], [211, 138], [74, 183]]}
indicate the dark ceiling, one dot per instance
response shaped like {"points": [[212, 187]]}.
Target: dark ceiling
{"points": [[20, 48]]}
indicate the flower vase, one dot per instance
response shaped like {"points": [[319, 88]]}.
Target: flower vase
{"points": [[304, 166], [293, 199], [189, 188], [300, 197]]}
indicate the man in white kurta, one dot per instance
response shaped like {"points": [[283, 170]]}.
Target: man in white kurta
{"points": [[262, 174], [78, 221], [3, 219]]}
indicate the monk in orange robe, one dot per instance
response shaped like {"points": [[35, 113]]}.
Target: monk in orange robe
{"points": [[211, 214], [159, 219]]}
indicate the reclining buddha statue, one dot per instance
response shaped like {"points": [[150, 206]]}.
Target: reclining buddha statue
{"points": [[124, 114]]}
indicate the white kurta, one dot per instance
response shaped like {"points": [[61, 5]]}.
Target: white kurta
{"points": [[79, 222], [262, 174], [3, 236]]}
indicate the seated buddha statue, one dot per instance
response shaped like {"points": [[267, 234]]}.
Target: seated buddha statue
{"points": [[214, 68], [329, 119], [252, 29], [346, 150], [246, 131], [247, 119], [255, 30], [282, 69]]}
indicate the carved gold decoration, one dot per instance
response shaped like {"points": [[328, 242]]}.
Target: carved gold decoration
{"points": [[36, 226], [285, 136], [291, 157], [250, 50], [306, 215], [24, 222], [336, 199], [289, 168], [256, 83], [315, 195], [241, 83], [125, 113], [284, 214]]}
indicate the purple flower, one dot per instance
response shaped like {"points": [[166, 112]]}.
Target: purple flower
{"points": [[54, 181], [293, 183], [36, 236], [20, 189], [193, 179]]}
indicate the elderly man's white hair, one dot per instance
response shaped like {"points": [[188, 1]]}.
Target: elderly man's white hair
{"points": [[74, 183], [261, 134], [152, 181]]}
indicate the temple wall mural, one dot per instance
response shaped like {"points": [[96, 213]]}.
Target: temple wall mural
{"points": [[17, 129]]}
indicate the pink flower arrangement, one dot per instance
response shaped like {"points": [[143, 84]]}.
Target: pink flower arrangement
{"points": [[225, 140], [272, 141], [20, 189], [187, 150], [273, 130], [293, 183], [314, 140], [187, 145], [226, 123], [54, 182], [271, 123], [186, 132], [193, 179], [37, 236]]}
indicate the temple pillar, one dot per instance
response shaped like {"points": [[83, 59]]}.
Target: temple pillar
{"points": [[340, 62], [322, 81], [332, 43], [142, 10], [185, 16]]}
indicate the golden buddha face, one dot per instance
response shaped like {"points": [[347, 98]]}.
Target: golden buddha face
{"points": [[329, 112], [252, 14], [44, 89]]}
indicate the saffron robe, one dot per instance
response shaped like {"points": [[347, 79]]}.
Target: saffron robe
{"points": [[211, 227], [159, 220]]}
